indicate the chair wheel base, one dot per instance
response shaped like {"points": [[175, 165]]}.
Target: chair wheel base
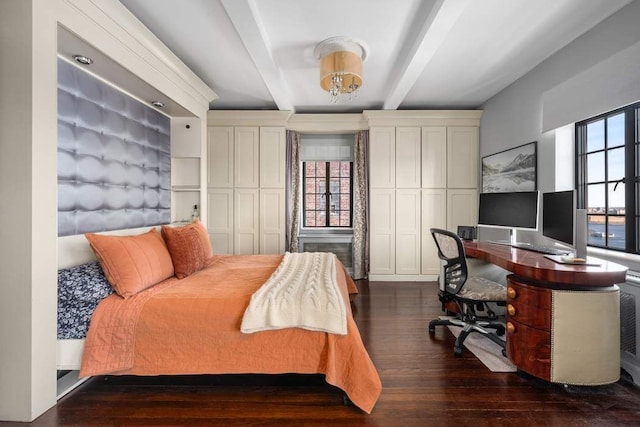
{"points": [[500, 331], [432, 327]]}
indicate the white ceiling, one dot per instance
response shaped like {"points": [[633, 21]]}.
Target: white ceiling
{"points": [[422, 54]]}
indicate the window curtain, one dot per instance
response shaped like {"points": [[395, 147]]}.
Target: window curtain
{"points": [[361, 205], [292, 191]]}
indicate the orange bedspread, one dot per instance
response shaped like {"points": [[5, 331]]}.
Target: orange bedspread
{"points": [[192, 326]]}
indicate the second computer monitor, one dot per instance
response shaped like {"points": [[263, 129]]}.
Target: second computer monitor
{"points": [[558, 216], [514, 210]]}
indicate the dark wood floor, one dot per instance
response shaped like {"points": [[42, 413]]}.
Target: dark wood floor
{"points": [[423, 385]]}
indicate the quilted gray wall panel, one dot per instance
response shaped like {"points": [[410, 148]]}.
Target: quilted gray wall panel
{"points": [[114, 159]]}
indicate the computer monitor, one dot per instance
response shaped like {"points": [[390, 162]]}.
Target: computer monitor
{"points": [[559, 216], [515, 210]]}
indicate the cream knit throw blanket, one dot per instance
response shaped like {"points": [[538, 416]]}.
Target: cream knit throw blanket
{"points": [[302, 293]]}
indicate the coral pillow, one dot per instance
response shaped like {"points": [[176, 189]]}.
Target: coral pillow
{"points": [[189, 247], [132, 263]]}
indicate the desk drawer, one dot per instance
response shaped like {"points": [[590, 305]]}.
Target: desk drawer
{"points": [[527, 294], [529, 349], [528, 305]]}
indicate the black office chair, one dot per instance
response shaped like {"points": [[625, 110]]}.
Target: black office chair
{"points": [[467, 293]]}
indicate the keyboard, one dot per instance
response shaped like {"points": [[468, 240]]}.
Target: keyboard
{"points": [[547, 250]]}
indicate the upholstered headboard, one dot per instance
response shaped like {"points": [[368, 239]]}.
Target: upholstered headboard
{"points": [[114, 160]]}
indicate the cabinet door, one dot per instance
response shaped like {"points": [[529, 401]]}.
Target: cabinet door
{"points": [[382, 157], [434, 214], [272, 157], [246, 157], [462, 208], [272, 221], [434, 157], [220, 156], [246, 222], [462, 157], [382, 238], [408, 231], [220, 219], [408, 157]]}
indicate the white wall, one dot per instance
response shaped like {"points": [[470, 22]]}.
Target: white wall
{"points": [[28, 193], [564, 88]]}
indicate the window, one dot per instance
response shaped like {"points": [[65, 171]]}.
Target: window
{"points": [[607, 170], [327, 193]]}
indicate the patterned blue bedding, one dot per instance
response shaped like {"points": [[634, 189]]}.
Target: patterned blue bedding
{"points": [[80, 289]]}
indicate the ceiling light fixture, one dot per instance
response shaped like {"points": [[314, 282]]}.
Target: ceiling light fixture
{"points": [[341, 66], [84, 60], [158, 104]]}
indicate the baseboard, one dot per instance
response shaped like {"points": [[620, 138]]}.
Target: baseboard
{"points": [[403, 277]]}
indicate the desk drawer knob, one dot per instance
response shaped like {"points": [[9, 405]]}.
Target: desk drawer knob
{"points": [[511, 310], [511, 328], [511, 292]]}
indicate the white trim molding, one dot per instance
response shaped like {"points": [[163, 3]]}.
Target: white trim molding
{"points": [[247, 117], [423, 117], [327, 123]]}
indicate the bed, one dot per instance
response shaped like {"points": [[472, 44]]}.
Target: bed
{"points": [[192, 326]]}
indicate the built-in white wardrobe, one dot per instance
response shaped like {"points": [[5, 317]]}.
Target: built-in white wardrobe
{"points": [[246, 181], [424, 172]]}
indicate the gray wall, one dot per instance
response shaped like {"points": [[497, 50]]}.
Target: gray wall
{"points": [[591, 75]]}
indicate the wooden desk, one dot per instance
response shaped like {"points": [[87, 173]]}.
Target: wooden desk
{"points": [[533, 266], [563, 321]]}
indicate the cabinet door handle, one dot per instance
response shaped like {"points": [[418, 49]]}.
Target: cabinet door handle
{"points": [[511, 310], [511, 328], [511, 292]]}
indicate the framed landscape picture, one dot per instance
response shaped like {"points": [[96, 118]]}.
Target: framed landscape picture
{"points": [[514, 169]]}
